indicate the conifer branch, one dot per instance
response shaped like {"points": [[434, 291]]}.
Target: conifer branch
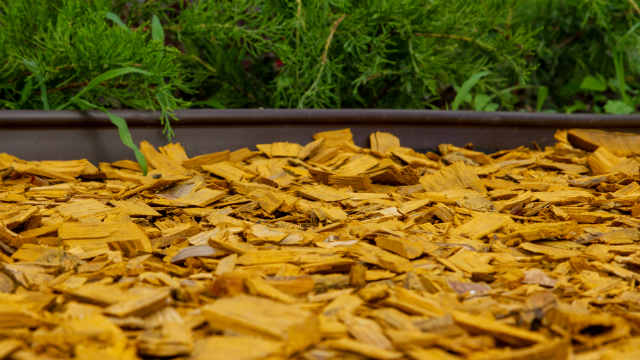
{"points": [[323, 61]]}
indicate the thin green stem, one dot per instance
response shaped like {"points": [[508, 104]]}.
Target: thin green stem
{"points": [[458, 37]]}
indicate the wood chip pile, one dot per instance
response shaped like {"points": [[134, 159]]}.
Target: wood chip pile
{"points": [[326, 251]]}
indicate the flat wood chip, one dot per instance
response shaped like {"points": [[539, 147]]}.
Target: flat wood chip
{"points": [[326, 250]]}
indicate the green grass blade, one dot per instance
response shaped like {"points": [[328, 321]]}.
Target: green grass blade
{"points": [[619, 68], [43, 95], [157, 34], [102, 78], [466, 87], [116, 20], [35, 69], [543, 92], [25, 93], [127, 139], [123, 132]]}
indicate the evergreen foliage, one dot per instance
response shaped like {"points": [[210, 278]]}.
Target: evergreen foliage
{"points": [[572, 55], [313, 53]]}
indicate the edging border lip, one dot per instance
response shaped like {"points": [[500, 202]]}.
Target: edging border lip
{"points": [[302, 117]]}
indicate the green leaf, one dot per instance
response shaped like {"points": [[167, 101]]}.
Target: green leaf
{"points": [[466, 87], [116, 20], [481, 101], [157, 34], [127, 140], [102, 78], [577, 106], [543, 92], [212, 102], [618, 107], [491, 107], [592, 83]]}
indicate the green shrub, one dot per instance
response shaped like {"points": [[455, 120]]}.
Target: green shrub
{"points": [[534, 55], [340, 53]]}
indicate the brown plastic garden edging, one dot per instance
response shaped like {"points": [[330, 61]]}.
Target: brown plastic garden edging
{"points": [[35, 134]]}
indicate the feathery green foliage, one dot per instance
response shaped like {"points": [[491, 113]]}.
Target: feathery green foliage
{"points": [[312, 53], [544, 55]]}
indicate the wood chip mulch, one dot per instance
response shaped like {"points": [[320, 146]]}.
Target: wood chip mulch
{"points": [[326, 251]]}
